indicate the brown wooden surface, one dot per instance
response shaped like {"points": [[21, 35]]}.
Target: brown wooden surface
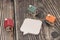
{"points": [[6, 12], [50, 6], [20, 7], [0, 18]]}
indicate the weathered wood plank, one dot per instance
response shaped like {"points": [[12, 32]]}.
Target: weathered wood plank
{"points": [[0, 17], [7, 12], [21, 9]]}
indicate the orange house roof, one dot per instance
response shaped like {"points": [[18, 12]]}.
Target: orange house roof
{"points": [[50, 18]]}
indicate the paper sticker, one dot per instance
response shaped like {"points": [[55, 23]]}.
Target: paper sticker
{"points": [[32, 26]]}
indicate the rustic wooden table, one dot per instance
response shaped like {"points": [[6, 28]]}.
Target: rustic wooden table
{"points": [[17, 10], [47, 6]]}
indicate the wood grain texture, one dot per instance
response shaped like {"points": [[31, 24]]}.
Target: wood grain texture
{"points": [[7, 12], [0, 16], [20, 6], [48, 6]]}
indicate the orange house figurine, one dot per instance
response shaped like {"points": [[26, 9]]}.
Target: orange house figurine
{"points": [[50, 18], [8, 24]]}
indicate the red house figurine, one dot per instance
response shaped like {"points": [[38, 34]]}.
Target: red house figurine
{"points": [[8, 24]]}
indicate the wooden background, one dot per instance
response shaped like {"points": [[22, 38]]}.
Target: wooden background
{"points": [[17, 10]]}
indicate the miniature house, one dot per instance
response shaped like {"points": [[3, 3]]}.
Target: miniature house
{"points": [[50, 18], [32, 8], [8, 24]]}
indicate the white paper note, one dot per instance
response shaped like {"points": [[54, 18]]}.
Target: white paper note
{"points": [[32, 26]]}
